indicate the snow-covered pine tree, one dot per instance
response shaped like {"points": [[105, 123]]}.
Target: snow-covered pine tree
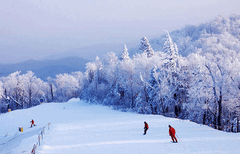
{"points": [[154, 91], [125, 55], [145, 47], [173, 69], [171, 49]]}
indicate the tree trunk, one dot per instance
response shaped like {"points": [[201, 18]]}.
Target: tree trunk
{"points": [[51, 90], [215, 121], [204, 119], [237, 123], [30, 98], [176, 110], [220, 111], [219, 115]]}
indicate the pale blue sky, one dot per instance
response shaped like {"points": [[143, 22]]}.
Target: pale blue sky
{"points": [[38, 28]]}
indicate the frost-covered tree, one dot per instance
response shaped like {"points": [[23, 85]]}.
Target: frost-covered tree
{"points": [[95, 90], [143, 66], [145, 47], [110, 61], [108, 87], [22, 91], [66, 86], [174, 78], [99, 70], [10, 83], [172, 53], [125, 74], [33, 88], [50, 91], [79, 76], [155, 94], [13, 90], [214, 82], [125, 55]]}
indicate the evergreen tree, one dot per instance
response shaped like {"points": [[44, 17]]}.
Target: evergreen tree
{"points": [[173, 74], [145, 47], [125, 55], [172, 51]]}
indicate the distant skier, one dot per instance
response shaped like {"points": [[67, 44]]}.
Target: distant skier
{"points": [[145, 127], [172, 133], [32, 123]]}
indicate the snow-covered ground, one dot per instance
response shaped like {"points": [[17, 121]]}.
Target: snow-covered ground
{"points": [[77, 127]]}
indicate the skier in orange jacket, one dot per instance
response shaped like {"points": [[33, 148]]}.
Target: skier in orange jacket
{"points": [[172, 133]]}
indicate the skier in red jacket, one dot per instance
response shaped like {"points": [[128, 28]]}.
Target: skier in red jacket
{"points": [[145, 128], [172, 133], [32, 123]]}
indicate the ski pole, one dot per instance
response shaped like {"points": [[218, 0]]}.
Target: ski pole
{"points": [[179, 138]]}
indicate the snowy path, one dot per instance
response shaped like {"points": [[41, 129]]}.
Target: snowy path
{"points": [[90, 129]]}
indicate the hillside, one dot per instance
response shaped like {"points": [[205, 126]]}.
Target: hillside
{"points": [[77, 127], [192, 38], [46, 68]]}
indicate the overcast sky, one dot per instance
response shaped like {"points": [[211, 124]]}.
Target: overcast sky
{"points": [[38, 28]]}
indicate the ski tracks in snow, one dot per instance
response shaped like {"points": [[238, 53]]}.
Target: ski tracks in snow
{"points": [[105, 143], [15, 140]]}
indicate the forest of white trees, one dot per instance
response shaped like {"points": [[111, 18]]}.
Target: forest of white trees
{"points": [[194, 75]]}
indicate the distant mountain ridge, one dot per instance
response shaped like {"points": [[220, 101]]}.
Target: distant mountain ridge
{"points": [[46, 68], [91, 52]]}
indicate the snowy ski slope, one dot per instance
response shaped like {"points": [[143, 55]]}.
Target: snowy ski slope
{"points": [[77, 128]]}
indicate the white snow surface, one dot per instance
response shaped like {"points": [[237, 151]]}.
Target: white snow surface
{"points": [[77, 127]]}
